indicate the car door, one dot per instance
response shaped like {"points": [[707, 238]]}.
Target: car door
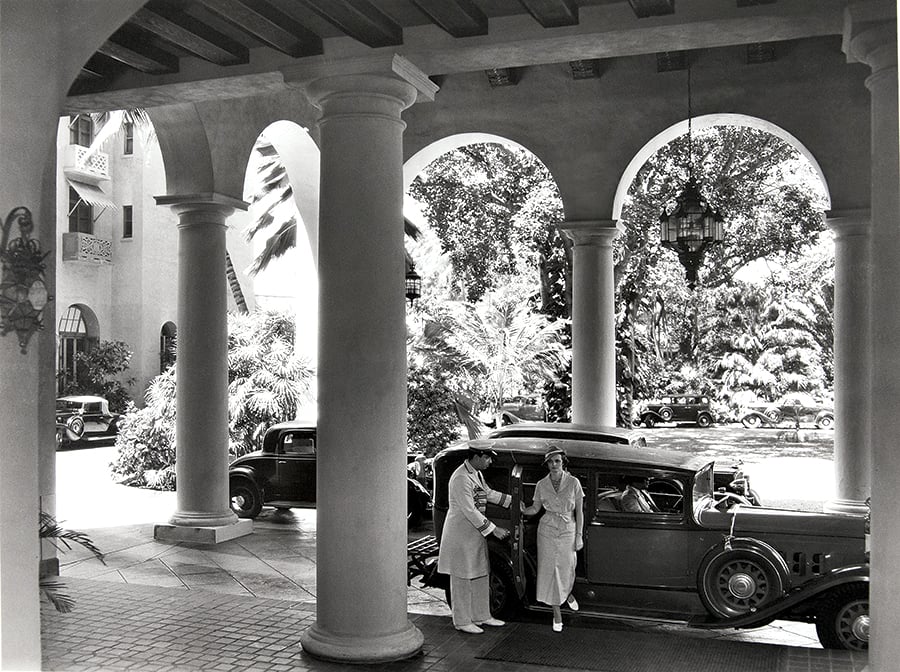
{"points": [[295, 467], [638, 549]]}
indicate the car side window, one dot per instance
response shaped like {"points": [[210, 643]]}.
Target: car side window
{"points": [[667, 495], [297, 444], [92, 408]]}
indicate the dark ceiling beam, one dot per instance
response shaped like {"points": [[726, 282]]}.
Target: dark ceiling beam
{"points": [[553, 13], [644, 8], [269, 25], [190, 34], [751, 3], [130, 46], [460, 18], [361, 20]]}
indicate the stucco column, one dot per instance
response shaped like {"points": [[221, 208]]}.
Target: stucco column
{"points": [[361, 611], [852, 367], [201, 426], [871, 37], [593, 322]]}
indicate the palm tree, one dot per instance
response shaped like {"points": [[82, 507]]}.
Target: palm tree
{"points": [[277, 195], [52, 587], [498, 347]]}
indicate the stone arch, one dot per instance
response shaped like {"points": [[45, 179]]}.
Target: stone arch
{"points": [[701, 122], [418, 161], [77, 330]]}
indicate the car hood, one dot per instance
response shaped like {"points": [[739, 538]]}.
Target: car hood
{"points": [[763, 520]]}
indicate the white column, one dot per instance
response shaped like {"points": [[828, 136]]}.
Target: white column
{"points": [[203, 514], [361, 612], [871, 37], [593, 322], [852, 361]]}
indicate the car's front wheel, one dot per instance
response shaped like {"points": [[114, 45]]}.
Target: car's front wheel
{"points": [[825, 422], [649, 421], [843, 622], [246, 502]]}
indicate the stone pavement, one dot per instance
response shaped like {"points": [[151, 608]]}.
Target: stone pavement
{"points": [[242, 605]]}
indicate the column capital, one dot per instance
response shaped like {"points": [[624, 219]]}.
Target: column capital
{"points": [[849, 222], [598, 232], [361, 74], [870, 33], [210, 202]]}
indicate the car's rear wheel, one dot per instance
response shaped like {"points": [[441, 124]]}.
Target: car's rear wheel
{"points": [[843, 622], [246, 502], [775, 415], [738, 581], [704, 420], [665, 414], [751, 421], [825, 422], [504, 602]]}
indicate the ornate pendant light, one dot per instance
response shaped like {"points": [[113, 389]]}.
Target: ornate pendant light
{"points": [[692, 225]]}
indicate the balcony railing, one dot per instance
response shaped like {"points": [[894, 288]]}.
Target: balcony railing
{"points": [[79, 165], [85, 247]]}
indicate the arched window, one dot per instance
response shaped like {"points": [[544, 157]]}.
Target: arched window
{"points": [[166, 346], [74, 336]]}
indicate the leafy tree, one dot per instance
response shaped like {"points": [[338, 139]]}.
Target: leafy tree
{"points": [[266, 381], [97, 371], [432, 422], [493, 208]]}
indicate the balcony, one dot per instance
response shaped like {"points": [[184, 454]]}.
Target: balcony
{"points": [[78, 165], [85, 247]]}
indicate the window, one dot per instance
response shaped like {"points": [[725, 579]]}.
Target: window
{"points": [[81, 214], [298, 444], [127, 221], [81, 130], [73, 338], [128, 132], [166, 347]]}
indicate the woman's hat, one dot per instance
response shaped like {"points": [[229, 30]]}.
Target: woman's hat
{"points": [[552, 451]]}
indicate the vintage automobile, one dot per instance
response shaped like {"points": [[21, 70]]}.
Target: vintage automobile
{"points": [[85, 419], [706, 562], [795, 408], [525, 408], [283, 475], [729, 480], [688, 407]]}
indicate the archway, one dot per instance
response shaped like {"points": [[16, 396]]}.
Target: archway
{"points": [[78, 331]]}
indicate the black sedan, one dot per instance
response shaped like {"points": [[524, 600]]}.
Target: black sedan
{"points": [[283, 475]]}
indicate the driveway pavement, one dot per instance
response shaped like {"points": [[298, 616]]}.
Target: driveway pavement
{"points": [[274, 568]]}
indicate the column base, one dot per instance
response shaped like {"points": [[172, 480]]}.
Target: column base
{"points": [[202, 534], [360, 650], [845, 506]]}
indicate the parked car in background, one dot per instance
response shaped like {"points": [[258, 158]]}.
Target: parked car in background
{"points": [[700, 560], [688, 407], [795, 408], [85, 419], [525, 408], [283, 475]]}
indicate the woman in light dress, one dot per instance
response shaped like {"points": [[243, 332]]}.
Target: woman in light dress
{"points": [[559, 534]]}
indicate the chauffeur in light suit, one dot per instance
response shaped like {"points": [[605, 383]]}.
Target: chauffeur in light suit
{"points": [[464, 553]]}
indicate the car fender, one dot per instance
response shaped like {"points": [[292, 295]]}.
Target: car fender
{"points": [[651, 414], [799, 595], [759, 414], [250, 473]]}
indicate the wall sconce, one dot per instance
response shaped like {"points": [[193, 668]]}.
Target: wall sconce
{"points": [[413, 284], [23, 289]]}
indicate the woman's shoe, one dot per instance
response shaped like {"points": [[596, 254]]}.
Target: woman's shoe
{"points": [[572, 603], [557, 626]]}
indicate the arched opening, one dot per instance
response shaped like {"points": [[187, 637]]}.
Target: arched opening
{"points": [[78, 332], [167, 351]]}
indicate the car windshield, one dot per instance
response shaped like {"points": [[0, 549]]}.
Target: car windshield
{"points": [[703, 488]]}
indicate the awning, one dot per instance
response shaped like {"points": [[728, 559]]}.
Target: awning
{"points": [[91, 194]]}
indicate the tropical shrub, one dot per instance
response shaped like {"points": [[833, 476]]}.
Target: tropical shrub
{"points": [[97, 371], [432, 423]]}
